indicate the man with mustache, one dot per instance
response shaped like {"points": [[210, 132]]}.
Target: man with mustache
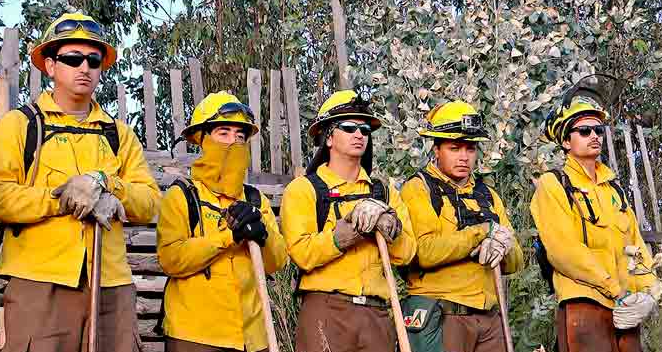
{"points": [[65, 164], [211, 300], [329, 220], [463, 232], [599, 262]]}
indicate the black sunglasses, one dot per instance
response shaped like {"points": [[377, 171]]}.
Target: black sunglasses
{"points": [[351, 127], [585, 131], [229, 108], [75, 59], [72, 25]]}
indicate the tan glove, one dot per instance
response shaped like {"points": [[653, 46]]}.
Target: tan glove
{"points": [[366, 213], [344, 235], [389, 225], [632, 310], [490, 252], [505, 236], [79, 194], [107, 208]]}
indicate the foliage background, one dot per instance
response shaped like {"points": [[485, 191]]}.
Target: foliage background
{"points": [[510, 59]]}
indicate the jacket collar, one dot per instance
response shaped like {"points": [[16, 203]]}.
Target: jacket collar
{"points": [[580, 176], [433, 170], [48, 105], [333, 180]]}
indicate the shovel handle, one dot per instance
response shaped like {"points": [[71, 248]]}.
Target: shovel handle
{"points": [[258, 269], [95, 289], [400, 329], [502, 306]]}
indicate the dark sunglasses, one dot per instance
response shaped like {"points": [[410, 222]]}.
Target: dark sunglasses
{"points": [[585, 131], [75, 59], [351, 127], [72, 25], [229, 108]]}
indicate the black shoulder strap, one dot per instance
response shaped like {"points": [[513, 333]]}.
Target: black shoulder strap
{"points": [[109, 130], [192, 201], [323, 202], [379, 191], [565, 183], [436, 196], [253, 196], [484, 196], [32, 112], [569, 189], [621, 194]]}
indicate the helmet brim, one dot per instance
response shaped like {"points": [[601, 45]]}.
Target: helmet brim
{"points": [[39, 59]]}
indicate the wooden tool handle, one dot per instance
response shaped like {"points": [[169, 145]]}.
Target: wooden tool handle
{"points": [[393, 295], [95, 290], [258, 268], [504, 309]]}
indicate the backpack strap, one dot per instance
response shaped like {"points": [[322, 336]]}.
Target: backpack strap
{"points": [[192, 202], [621, 195], [253, 196], [485, 200], [379, 191], [109, 130], [35, 117], [569, 189], [432, 184], [323, 203]]}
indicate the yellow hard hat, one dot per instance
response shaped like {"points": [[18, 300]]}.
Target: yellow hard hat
{"points": [[217, 108], [560, 120], [344, 104], [73, 27], [455, 120]]}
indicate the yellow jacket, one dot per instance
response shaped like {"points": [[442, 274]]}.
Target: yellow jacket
{"points": [[51, 248], [358, 271], [598, 270], [443, 251], [225, 310]]}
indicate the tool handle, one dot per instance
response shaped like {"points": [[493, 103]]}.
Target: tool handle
{"points": [[258, 269]]}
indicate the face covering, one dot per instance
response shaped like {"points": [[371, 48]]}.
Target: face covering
{"points": [[222, 167]]}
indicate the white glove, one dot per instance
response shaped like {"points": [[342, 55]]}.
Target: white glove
{"points": [[632, 310], [366, 213]]}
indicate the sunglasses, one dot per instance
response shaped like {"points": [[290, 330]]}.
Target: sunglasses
{"points": [[229, 108], [351, 127], [585, 131], [72, 25], [75, 59]]}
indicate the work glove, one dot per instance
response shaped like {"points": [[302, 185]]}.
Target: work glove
{"points": [[107, 208], [345, 235], [245, 221], [389, 225], [631, 310], [79, 194], [495, 247], [366, 213]]}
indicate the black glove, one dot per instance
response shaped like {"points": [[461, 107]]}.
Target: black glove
{"points": [[254, 231], [241, 213]]}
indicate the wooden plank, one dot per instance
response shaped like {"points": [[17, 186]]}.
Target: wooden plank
{"points": [[254, 83], [150, 110], [9, 71], [196, 80], [292, 101], [35, 83], [145, 263], [121, 103], [4, 91], [634, 182], [341, 47], [649, 177], [275, 117], [613, 164], [652, 236], [178, 118]]}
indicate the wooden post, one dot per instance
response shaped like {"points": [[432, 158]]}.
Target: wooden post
{"points": [[150, 110], [35, 83], [292, 101], [634, 183], [254, 84], [121, 103], [649, 178], [613, 164], [178, 119], [196, 80], [275, 116], [9, 71], [341, 47]]}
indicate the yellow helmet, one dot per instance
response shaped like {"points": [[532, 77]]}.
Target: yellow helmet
{"points": [[344, 104], [560, 120], [217, 108], [72, 27], [455, 120]]}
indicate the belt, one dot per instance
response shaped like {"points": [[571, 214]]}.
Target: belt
{"points": [[368, 301], [452, 308]]}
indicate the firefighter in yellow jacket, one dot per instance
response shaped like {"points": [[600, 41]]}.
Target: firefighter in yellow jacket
{"points": [[601, 266], [462, 231], [84, 167], [329, 218], [211, 299]]}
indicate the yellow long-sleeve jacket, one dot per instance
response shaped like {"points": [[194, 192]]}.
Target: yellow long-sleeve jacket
{"points": [[51, 248], [597, 269], [357, 271], [224, 311], [444, 268]]}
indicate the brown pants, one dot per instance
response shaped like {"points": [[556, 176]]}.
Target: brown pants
{"points": [[328, 323], [586, 326], [45, 317], [477, 332], [177, 345]]}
